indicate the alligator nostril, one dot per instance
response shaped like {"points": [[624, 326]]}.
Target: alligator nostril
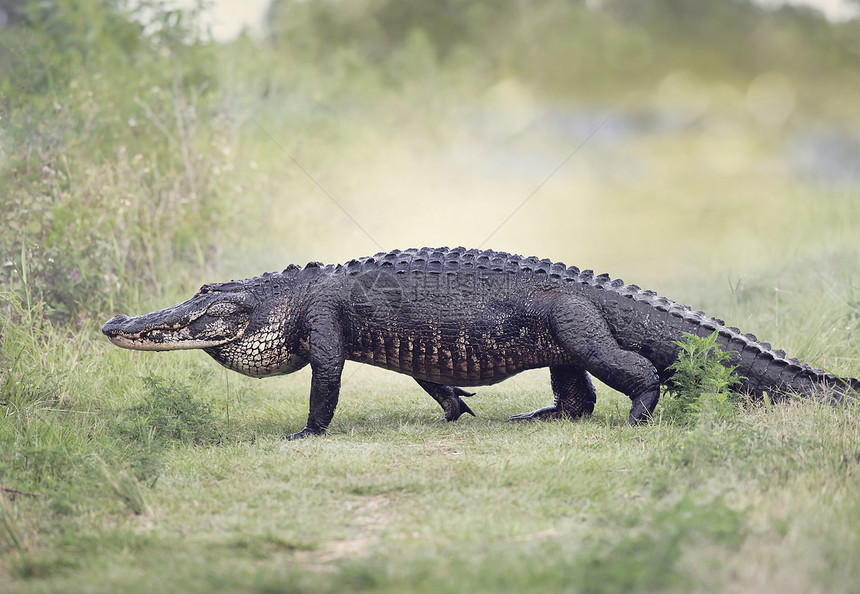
{"points": [[113, 324]]}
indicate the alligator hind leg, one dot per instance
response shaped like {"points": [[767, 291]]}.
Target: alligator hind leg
{"points": [[581, 330], [574, 396], [448, 398]]}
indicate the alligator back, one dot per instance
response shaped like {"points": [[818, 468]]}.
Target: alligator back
{"points": [[464, 317]]}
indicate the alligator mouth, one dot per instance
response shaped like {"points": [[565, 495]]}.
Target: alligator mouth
{"points": [[121, 331]]}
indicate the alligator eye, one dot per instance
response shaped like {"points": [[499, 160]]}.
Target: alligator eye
{"points": [[224, 308]]}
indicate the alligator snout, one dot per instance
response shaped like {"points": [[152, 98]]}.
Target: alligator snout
{"points": [[114, 325]]}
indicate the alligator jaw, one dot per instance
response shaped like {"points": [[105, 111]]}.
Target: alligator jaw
{"points": [[125, 332]]}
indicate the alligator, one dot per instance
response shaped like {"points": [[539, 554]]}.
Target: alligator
{"points": [[458, 317]]}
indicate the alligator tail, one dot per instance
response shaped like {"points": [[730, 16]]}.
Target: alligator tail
{"points": [[649, 324], [765, 369]]}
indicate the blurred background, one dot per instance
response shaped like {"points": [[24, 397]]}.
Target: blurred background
{"points": [[707, 150]]}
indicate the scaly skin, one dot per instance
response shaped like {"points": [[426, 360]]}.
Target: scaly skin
{"points": [[458, 318]]}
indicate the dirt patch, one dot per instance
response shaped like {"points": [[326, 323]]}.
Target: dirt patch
{"points": [[371, 512], [370, 516]]}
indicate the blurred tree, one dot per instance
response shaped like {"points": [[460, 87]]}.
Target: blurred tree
{"points": [[445, 22], [740, 35], [560, 40], [374, 28], [10, 12]]}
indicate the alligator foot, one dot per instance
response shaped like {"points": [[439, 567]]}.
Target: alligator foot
{"points": [[643, 407], [542, 414], [306, 432], [462, 408], [448, 398]]}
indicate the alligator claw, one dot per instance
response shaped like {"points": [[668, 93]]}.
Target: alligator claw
{"points": [[306, 432], [643, 407], [642, 418], [462, 392], [452, 413], [464, 408], [542, 414], [461, 405]]}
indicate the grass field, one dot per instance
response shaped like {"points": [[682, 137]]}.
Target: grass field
{"points": [[394, 499], [138, 174]]}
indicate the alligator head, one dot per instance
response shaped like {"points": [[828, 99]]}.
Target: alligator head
{"points": [[216, 315]]}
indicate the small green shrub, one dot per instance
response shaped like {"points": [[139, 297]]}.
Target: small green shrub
{"points": [[169, 414], [127, 489], [701, 385]]}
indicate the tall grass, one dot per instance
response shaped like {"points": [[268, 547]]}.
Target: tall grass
{"points": [[11, 534], [107, 174]]}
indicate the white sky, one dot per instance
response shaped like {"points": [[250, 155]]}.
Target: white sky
{"points": [[227, 17]]}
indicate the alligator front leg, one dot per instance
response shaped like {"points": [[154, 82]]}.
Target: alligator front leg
{"points": [[448, 398], [574, 396], [326, 354]]}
